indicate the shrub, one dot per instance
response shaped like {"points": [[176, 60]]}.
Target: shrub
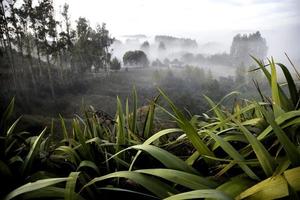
{"points": [[115, 64]]}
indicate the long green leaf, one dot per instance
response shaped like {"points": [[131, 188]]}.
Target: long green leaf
{"points": [[271, 188], [12, 127], [283, 98], [196, 194], [34, 186], [293, 178], [189, 130], [88, 164], [134, 112], [71, 186], [188, 180], [27, 166], [64, 129], [153, 138], [229, 149], [121, 132], [149, 121], [235, 186], [291, 84], [49, 193], [6, 115], [263, 156], [152, 184], [289, 147]]}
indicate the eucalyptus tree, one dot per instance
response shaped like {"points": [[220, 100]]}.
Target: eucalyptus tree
{"points": [[16, 27], [34, 25], [6, 37], [82, 53], [66, 36], [244, 45], [101, 42], [27, 37], [47, 35], [145, 46]]}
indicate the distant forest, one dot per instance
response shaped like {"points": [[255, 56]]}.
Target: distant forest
{"points": [[44, 60]]}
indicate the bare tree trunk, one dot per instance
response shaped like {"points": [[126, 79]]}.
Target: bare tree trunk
{"points": [[38, 53], [50, 77], [28, 48], [32, 74], [61, 68]]}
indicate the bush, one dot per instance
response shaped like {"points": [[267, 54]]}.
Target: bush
{"points": [[115, 64], [136, 58]]}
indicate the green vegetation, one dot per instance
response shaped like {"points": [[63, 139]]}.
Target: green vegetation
{"points": [[115, 64], [247, 151], [135, 58]]}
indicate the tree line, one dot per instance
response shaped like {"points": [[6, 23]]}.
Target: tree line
{"points": [[38, 49]]}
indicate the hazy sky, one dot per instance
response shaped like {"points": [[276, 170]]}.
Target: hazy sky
{"points": [[180, 16], [204, 20]]}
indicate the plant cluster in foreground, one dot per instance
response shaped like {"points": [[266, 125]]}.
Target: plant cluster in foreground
{"points": [[248, 152]]}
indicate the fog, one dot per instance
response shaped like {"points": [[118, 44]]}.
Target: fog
{"points": [[212, 24], [279, 41], [149, 99], [93, 51]]}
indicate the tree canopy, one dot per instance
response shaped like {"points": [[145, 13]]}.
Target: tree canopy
{"points": [[245, 45], [135, 58]]}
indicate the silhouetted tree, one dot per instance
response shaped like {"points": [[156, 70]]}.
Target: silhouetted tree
{"points": [[47, 35], [115, 64], [91, 46], [157, 63], [161, 46], [137, 58], [240, 74], [145, 46], [166, 62], [245, 45]]}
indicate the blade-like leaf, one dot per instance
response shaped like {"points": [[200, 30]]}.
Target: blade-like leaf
{"points": [[196, 194], [188, 180], [266, 160], [34, 186], [291, 84], [152, 184], [71, 186], [232, 152], [271, 188], [289, 147], [189, 130], [12, 127], [88, 164], [235, 186], [27, 166]]}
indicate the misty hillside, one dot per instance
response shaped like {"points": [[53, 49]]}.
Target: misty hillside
{"points": [[149, 100]]}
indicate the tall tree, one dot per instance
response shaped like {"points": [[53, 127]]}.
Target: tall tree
{"points": [[145, 46], [47, 35], [83, 59], [27, 38], [4, 5], [245, 45]]}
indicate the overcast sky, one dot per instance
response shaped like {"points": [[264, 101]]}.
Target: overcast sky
{"points": [[206, 19], [169, 16]]}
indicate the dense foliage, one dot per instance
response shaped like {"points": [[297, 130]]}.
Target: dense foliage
{"points": [[244, 45], [115, 64], [135, 58], [42, 53], [239, 152], [171, 41]]}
